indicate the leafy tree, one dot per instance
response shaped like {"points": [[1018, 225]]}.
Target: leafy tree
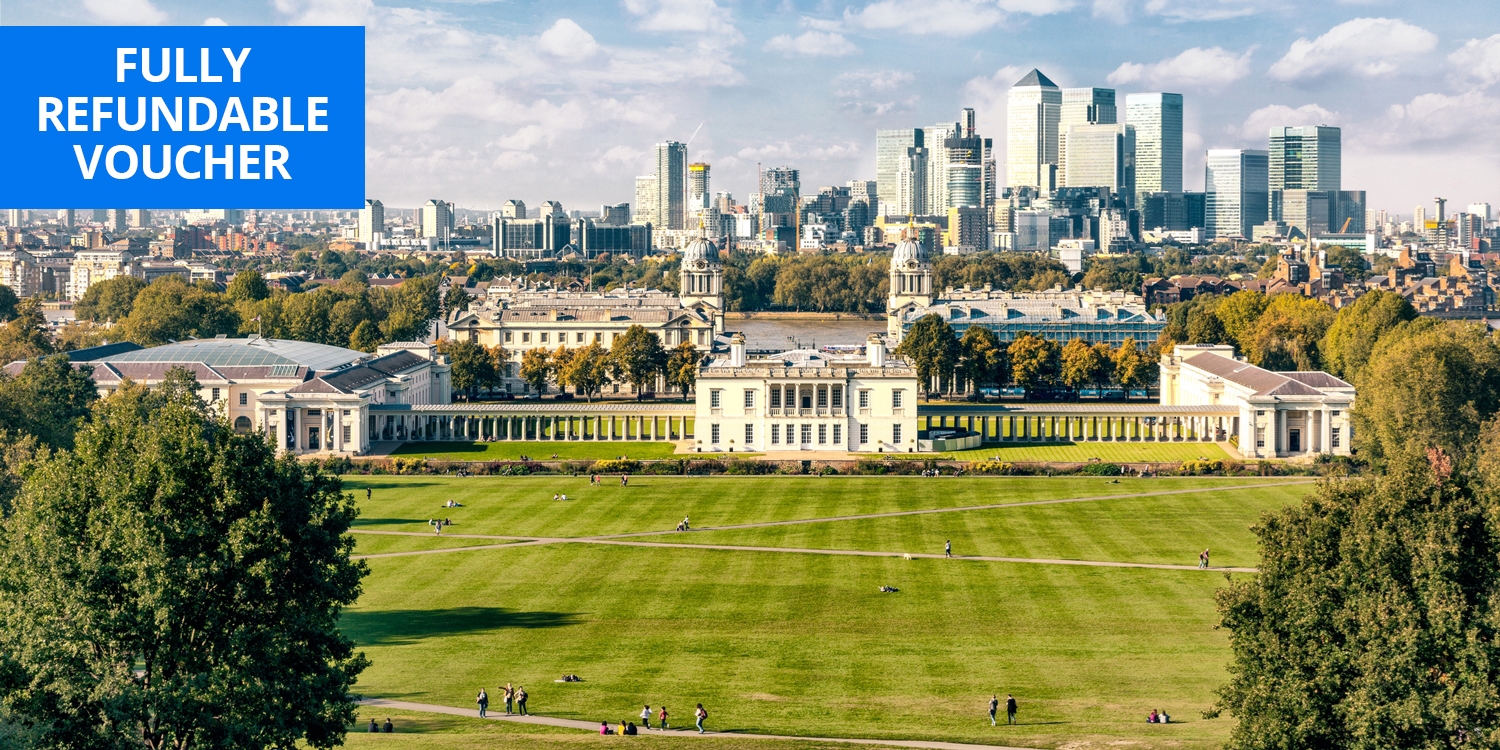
{"points": [[981, 359], [1373, 620], [248, 285], [354, 279], [682, 368], [366, 336], [406, 312], [1131, 366], [456, 299], [108, 301], [536, 369], [1287, 334], [81, 335], [173, 584], [49, 400], [587, 370], [1122, 272], [1020, 271], [1033, 361], [474, 365], [1351, 260], [932, 350], [1104, 364], [1238, 313], [1083, 365], [1355, 329], [637, 357], [25, 335], [1206, 328], [1429, 383], [8, 302], [171, 310]]}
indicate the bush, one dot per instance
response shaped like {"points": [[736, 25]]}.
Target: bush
{"points": [[399, 465], [745, 466], [664, 468], [616, 466], [1197, 467], [990, 468], [1101, 470], [705, 467]]}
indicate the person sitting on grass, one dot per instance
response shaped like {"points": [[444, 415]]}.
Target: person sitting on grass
{"points": [[630, 729], [389, 727], [373, 729], [622, 728], [604, 728], [1152, 718]]}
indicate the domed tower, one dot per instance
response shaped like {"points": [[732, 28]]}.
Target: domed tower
{"points": [[702, 276], [911, 281]]}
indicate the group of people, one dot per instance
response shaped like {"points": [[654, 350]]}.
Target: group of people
{"points": [[1010, 708], [1203, 559], [515, 700], [453, 504], [626, 728], [700, 715], [1158, 717], [683, 525], [437, 524], [888, 589], [556, 496], [388, 727]]}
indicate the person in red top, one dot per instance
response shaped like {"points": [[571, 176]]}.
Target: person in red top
{"points": [[663, 716]]}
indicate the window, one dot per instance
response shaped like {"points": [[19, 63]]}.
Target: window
{"points": [[713, 434], [776, 398], [244, 399], [896, 432], [749, 434], [864, 434], [896, 399], [544, 337], [241, 424], [1260, 437], [526, 337], [807, 401], [838, 434], [822, 398], [1334, 437], [775, 434], [507, 337], [807, 434], [864, 399], [346, 412], [838, 398], [749, 399], [213, 394], [713, 399], [578, 338], [348, 433], [1334, 413], [822, 434]]}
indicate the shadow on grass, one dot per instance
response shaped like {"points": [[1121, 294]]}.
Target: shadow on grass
{"points": [[426, 448], [403, 627], [388, 521], [379, 484]]}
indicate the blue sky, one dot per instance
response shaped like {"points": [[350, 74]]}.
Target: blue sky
{"points": [[478, 101]]}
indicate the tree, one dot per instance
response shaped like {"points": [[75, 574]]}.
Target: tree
{"points": [[1429, 383], [108, 301], [354, 280], [49, 400], [1355, 329], [474, 365], [1372, 622], [682, 368], [1130, 365], [981, 359], [587, 370], [248, 285], [536, 369], [366, 336], [1033, 361], [172, 310], [25, 335], [1082, 364], [1287, 334], [456, 298], [637, 357], [173, 584], [1206, 328], [8, 302], [80, 335], [932, 350], [1105, 367], [1238, 313]]}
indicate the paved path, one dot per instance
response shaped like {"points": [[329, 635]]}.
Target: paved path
{"points": [[590, 726]]}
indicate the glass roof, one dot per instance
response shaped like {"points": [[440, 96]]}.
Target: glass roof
{"points": [[245, 353]]}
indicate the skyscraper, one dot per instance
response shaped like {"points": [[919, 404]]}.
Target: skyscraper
{"points": [[1238, 186], [118, 220], [436, 219], [699, 198], [66, 217], [645, 201], [1035, 105], [138, 218], [1087, 106], [893, 153], [1102, 156], [1481, 210], [1306, 158], [371, 223], [513, 209], [938, 156], [1157, 119], [671, 190]]}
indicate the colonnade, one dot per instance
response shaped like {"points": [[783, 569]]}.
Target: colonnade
{"points": [[1003, 428], [491, 427]]}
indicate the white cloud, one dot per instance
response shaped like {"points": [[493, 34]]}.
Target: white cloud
{"points": [[1204, 10], [1117, 11], [1366, 46], [1466, 120], [567, 39], [945, 17], [1258, 125], [875, 80], [326, 12], [1196, 68], [696, 16], [812, 44], [1037, 7], [215, 21], [125, 12], [1479, 59]]}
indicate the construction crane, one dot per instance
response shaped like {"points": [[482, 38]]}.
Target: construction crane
{"points": [[1345, 227]]}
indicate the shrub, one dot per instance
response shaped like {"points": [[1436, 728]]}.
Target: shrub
{"points": [[664, 467], [616, 466], [990, 468], [1101, 470], [1197, 467], [749, 466]]}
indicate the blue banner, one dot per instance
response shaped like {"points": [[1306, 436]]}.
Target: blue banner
{"points": [[165, 117]]}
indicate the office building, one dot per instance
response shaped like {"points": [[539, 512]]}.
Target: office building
{"points": [[699, 197], [1035, 108], [671, 190], [1157, 119], [645, 201], [1238, 186], [13, 217], [894, 152], [371, 223], [66, 218], [553, 209], [1481, 210], [530, 239], [138, 218], [514, 209], [616, 215], [1102, 156], [1303, 158], [119, 221], [867, 191], [937, 138], [967, 162], [1087, 106], [435, 219]]}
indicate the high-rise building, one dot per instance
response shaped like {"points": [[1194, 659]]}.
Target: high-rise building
{"points": [[1303, 158], [1087, 106], [965, 181], [553, 209], [893, 153], [1102, 156], [1035, 107], [1482, 210], [1419, 220], [371, 223], [436, 220], [911, 185], [1157, 119], [138, 218], [938, 137], [1238, 186], [699, 197], [13, 217], [513, 209], [645, 201], [66, 218], [865, 190], [119, 221], [671, 190], [100, 215], [616, 215]]}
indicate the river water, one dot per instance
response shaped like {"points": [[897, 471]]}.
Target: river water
{"points": [[777, 335]]}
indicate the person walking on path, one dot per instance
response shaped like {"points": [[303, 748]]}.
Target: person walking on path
{"points": [[646, 716], [367, 497], [509, 695], [1203, 559], [662, 717], [1010, 709], [994, 706], [948, 548], [700, 715], [521, 701], [484, 702]]}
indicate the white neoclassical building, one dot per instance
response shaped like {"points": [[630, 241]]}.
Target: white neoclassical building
{"points": [[1281, 414], [806, 400]]}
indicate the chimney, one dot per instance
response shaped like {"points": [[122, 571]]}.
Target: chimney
{"points": [[737, 350], [875, 350]]}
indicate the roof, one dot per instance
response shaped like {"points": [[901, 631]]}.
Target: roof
{"points": [[1318, 379], [1035, 78], [103, 350], [244, 352], [1262, 381]]}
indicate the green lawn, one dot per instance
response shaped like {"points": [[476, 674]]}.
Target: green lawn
{"points": [[1122, 452], [523, 506], [374, 544], [540, 450]]}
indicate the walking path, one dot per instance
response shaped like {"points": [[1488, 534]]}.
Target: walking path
{"points": [[590, 726]]}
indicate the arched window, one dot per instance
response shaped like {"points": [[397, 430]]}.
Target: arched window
{"points": [[242, 424]]}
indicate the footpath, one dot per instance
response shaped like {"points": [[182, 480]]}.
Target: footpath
{"points": [[591, 726]]}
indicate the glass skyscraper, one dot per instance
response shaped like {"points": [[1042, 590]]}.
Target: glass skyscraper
{"points": [[1238, 185], [1157, 119], [1035, 108], [1088, 106]]}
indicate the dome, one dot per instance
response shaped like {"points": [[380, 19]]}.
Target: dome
{"points": [[700, 249], [907, 250]]}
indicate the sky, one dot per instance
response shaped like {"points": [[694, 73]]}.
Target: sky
{"points": [[480, 101]]}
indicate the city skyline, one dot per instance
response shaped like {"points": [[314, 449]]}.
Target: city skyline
{"points": [[484, 101]]}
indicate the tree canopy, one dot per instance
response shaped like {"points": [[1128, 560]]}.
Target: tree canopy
{"points": [[1352, 336], [637, 357], [932, 349], [110, 300]]}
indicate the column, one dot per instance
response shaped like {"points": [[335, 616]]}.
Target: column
{"points": [[653, 427]]}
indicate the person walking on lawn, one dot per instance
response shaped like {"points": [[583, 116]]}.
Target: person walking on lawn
{"points": [[1010, 709], [509, 695], [484, 702], [994, 706], [521, 701], [948, 548], [646, 716], [701, 715]]}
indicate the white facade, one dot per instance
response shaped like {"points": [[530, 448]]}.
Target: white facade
{"points": [[806, 400], [1101, 156], [1034, 110], [371, 223], [1281, 414], [20, 271], [92, 266]]}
